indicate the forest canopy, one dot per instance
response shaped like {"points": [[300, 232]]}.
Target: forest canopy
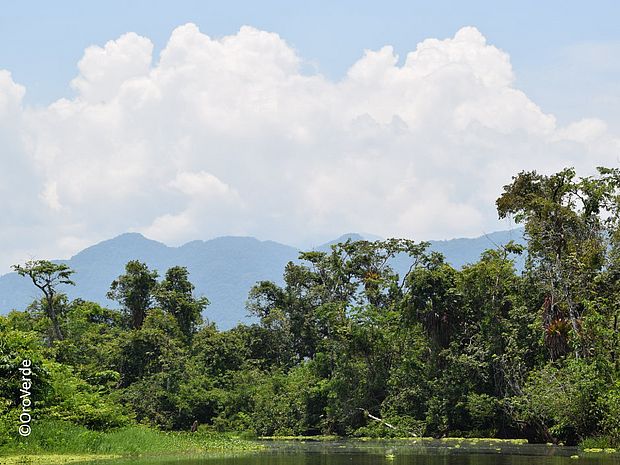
{"points": [[347, 345]]}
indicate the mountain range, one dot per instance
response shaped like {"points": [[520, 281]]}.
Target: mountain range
{"points": [[223, 269]]}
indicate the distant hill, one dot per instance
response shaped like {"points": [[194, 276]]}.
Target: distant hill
{"points": [[458, 252], [223, 269], [462, 251]]}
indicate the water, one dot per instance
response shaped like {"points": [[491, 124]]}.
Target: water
{"points": [[390, 453]]}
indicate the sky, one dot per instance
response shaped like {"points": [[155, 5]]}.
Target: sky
{"points": [[291, 121]]}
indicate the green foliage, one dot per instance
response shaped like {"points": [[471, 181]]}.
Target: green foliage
{"points": [[61, 437], [47, 276], [175, 296], [567, 232], [345, 345], [134, 291], [563, 399], [609, 406], [92, 343], [484, 411], [75, 400], [16, 346]]}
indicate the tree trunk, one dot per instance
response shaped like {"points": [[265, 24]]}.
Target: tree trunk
{"points": [[385, 423], [51, 312]]}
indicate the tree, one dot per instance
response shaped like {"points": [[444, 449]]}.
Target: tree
{"points": [[152, 364], [435, 301], [47, 276], [175, 296], [339, 309], [567, 242], [134, 291]]}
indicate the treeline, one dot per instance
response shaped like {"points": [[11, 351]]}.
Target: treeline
{"points": [[346, 341]]}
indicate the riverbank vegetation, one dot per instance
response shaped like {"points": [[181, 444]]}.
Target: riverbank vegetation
{"points": [[66, 438], [345, 346]]}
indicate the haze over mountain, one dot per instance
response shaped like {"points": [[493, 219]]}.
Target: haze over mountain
{"points": [[223, 269]]}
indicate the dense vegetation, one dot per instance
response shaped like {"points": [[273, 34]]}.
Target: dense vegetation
{"points": [[346, 345]]}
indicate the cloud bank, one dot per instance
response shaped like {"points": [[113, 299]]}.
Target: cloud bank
{"points": [[231, 136]]}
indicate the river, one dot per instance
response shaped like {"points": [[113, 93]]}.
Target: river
{"points": [[391, 453]]}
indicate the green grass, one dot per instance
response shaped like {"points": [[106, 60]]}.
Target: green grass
{"points": [[52, 459], [56, 437], [599, 442]]}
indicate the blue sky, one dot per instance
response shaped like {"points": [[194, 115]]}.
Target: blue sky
{"points": [[41, 41], [400, 119]]}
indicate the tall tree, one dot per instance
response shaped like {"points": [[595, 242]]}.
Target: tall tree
{"points": [[567, 242], [175, 295], [47, 276], [134, 291]]}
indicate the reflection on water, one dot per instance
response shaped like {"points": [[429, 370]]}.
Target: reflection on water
{"points": [[391, 453]]}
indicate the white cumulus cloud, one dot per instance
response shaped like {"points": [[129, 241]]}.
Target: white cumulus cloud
{"points": [[229, 136], [103, 70]]}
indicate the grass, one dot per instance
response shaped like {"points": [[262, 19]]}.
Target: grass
{"points": [[65, 440], [54, 459], [599, 443]]}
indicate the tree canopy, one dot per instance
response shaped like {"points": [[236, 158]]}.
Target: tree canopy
{"points": [[345, 344]]}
